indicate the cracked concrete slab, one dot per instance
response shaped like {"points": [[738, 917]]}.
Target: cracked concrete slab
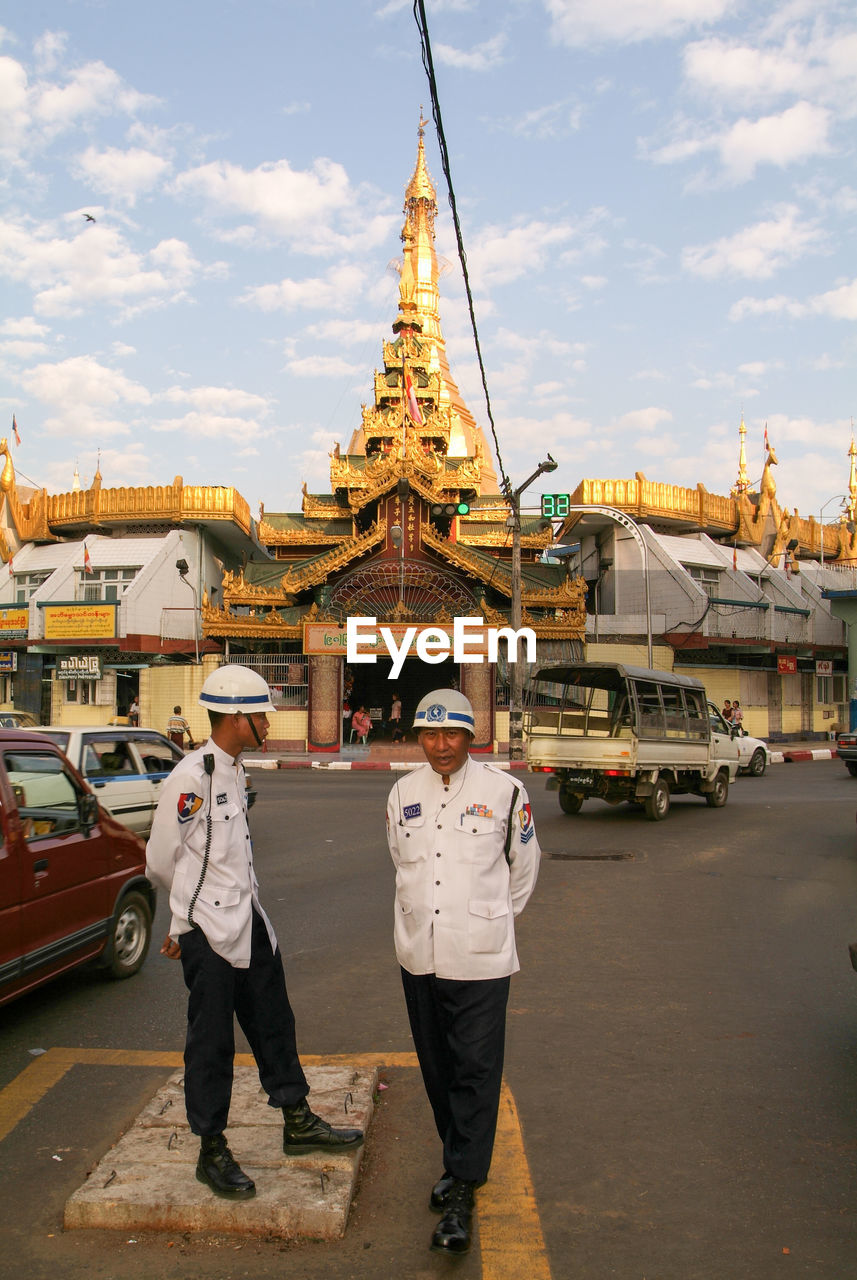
{"points": [[147, 1181]]}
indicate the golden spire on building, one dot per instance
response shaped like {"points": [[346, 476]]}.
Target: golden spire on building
{"points": [[419, 298], [852, 478], [742, 484]]}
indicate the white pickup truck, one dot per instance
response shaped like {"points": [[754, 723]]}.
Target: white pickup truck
{"points": [[621, 733]]}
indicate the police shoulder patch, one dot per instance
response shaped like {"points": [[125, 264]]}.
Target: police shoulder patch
{"points": [[188, 805]]}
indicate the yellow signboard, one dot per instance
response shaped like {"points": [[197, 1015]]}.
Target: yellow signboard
{"points": [[80, 621], [14, 622]]}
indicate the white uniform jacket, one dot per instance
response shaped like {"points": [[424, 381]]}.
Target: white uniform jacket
{"points": [[456, 894], [216, 892]]}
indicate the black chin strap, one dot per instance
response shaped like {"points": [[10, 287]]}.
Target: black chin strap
{"points": [[252, 725]]}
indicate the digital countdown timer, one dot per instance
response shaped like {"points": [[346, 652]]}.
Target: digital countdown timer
{"points": [[555, 505]]}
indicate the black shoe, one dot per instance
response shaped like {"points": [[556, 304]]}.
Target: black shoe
{"points": [[453, 1230], [437, 1199], [217, 1168], [305, 1131]]}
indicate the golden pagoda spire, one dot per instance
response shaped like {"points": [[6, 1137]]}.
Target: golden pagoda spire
{"points": [[419, 298], [742, 484], [852, 478]]}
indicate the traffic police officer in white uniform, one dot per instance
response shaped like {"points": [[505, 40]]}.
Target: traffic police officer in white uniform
{"points": [[462, 838], [200, 851]]}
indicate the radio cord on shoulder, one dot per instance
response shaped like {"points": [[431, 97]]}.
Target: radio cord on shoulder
{"points": [[208, 765]]}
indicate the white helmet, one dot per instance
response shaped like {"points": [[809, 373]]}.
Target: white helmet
{"points": [[233, 688], [445, 709]]}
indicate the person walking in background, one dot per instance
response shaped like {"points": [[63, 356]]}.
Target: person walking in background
{"points": [[134, 712], [462, 839], [177, 727], [396, 719], [727, 711], [737, 717]]}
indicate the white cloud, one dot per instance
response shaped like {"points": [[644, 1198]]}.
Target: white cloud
{"points": [[301, 205], [484, 57], [499, 256], [24, 327], [324, 367], [756, 252], [94, 266], [338, 288], [48, 50], [779, 305], [643, 419], [83, 382], [218, 399], [124, 175], [793, 136], [200, 424], [554, 120], [840, 303], [581, 22]]}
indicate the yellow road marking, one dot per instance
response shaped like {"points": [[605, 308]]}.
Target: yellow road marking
{"points": [[510, 1232]]}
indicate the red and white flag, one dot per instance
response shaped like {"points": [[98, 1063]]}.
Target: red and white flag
{"points": [[87, 563], [767, 446], [413, 407], [11, 570], [734, 557], [15, 430]]}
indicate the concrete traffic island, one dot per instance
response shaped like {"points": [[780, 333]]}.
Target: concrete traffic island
{"points": [[147, 1181]]}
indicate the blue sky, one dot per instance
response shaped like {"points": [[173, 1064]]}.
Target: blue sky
{"points": [[658, 200]]}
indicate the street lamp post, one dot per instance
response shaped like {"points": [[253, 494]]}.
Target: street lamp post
{"points": [[516, 684], [184, 569], [839, 497]]}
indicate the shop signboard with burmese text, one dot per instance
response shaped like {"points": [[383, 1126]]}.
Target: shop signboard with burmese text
{"points": [[80, 621], [14, 623]]}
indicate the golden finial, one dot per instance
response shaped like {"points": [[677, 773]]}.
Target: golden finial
{"points": [[742, 484], [852, 478]]}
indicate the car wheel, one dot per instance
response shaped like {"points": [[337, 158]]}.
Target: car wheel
{"points": [[132, 933], [758, 763], [658, 803], [717, 798], [570, 801], [851, 766]]}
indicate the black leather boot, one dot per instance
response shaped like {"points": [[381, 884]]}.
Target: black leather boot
{"points": [[217, 1168], [437, 1199], [454, 1229], [305, 1131]]}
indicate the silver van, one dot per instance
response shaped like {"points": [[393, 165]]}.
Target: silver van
{"points": [[621, 733]]}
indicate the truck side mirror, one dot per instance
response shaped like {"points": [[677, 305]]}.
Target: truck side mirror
{"points": [[87, 811]]}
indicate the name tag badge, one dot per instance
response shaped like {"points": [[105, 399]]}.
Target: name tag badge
{"points": [[222, 799], [412, 811]]}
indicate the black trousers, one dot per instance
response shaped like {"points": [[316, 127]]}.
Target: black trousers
{"points": [[459, 1031], [257, 997]]}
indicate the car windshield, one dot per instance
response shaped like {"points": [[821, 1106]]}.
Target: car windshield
{"points": [[57, 736]]}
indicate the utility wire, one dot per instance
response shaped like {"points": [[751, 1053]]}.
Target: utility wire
{"points": [[422, 26]]}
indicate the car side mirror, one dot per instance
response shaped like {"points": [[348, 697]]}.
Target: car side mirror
{"points": [[87, 810]]}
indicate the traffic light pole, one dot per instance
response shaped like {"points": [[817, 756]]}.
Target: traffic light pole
{"points": [[516, 681]]}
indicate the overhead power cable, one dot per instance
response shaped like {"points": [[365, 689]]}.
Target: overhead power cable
{"points": [[422, 26]]}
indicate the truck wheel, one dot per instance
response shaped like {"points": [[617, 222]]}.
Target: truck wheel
{"points": [[758, 763], [570, 801], [132, 933], [658, 803], [717, 798], [851, 766]]}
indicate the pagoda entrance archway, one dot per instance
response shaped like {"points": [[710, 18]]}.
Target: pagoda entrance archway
{"points": [[400, 591]]}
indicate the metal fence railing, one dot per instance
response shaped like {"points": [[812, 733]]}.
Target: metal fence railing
{"points": [[285, 674]]}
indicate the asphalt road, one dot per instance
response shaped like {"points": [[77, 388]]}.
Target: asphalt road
{"points": [[682, 1044]]}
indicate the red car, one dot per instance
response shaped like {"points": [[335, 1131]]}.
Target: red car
{"points": [[72, 879]]}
